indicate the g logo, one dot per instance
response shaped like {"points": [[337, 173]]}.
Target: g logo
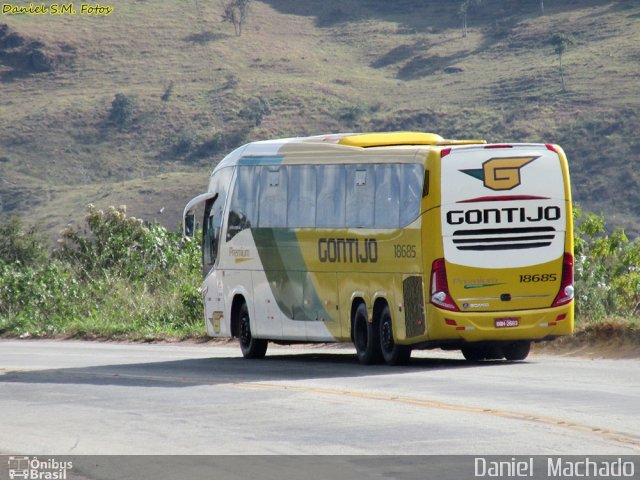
{"points": [[504, 173], [501, 173]]}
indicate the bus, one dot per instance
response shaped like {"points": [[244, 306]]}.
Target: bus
{"points": [[393, 241]]}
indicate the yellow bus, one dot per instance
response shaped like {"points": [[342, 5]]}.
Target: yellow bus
{"points": [[393, 241]]}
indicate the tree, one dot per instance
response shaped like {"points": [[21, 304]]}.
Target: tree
{"points": [[464, 10], [560, 43], [236, 12], [607, 272], [541, 7]]}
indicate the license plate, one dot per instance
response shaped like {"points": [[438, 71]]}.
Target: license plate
{"points": [[507, 322]]}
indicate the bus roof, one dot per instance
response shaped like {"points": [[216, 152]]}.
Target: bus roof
{"points": [[378, 139], [348, 141]]}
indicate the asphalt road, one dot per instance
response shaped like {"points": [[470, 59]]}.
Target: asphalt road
{"points": [[73, 398]]}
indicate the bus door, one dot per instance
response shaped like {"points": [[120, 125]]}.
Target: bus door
{"points": [[212, 287]]}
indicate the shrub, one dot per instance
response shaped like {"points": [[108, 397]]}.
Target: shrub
{"points": [[124, 246], [350, 113], [607, 270], [184, 143], [167, 92], [122, 108], [121, 277], [256, 109], [18, 243]]}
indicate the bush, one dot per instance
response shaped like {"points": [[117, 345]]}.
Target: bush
{"points": [[167, 92], [350, 113], [122, 108], [40, 299], [123, 277], [185, 143], [607, 272], [256, 109], [25, 245], [124, 246]]}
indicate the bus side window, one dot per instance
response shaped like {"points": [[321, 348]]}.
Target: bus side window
{"points": [[425, 184], [360, 195], [410, 193], [301, 207], [330, 206], [244, 201], [273, 197], [387, 202]]}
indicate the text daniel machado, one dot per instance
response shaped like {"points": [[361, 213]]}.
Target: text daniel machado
{"points": [[555, 467]]}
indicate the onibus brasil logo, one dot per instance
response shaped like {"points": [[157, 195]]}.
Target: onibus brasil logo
{"points": [[34, 469], [500, 173]]}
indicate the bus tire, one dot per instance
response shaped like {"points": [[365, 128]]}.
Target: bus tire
{"points": [[391, 353], [517, 350], [474, 353], [251, 347], [366, 337]]}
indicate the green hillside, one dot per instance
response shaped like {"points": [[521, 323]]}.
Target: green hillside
{"points": [[190, 90]]}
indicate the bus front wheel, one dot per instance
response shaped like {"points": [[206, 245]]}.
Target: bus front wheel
{"points": [[393, 354], [366, 337], [251, 347]]}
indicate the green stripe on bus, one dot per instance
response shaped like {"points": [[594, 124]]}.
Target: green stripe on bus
{"points": [[261, 160], [287, 275]]}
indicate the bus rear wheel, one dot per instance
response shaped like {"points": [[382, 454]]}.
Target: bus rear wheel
{"points": [[473, 353], [393, 354], [366, 337], [517, 350], [476, 353], [251, 347]]}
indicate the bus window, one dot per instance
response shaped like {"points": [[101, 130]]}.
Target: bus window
{"points": [[301, 208], [210, 236], [360, 195], [273, 197], [387, 202], [410, 193], [244, 201], [330, 211], [213, 216]]}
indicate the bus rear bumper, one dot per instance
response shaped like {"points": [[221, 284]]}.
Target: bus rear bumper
{"points": [[534, 325]]}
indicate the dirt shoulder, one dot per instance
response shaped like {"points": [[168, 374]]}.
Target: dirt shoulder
{"points": [[608, 339]]}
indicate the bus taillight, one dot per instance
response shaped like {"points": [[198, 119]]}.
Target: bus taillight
{"points": [[440, 295], [565, 295], [551, 147]]}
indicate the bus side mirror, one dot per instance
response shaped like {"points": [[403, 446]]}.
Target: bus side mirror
{"points": [[189, 223]]}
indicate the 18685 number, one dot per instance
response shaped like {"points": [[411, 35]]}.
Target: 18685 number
{"points": [[404, 251], [542, 277]]}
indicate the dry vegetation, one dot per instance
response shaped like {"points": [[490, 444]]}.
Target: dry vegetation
{"points": [[197, 90]]}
